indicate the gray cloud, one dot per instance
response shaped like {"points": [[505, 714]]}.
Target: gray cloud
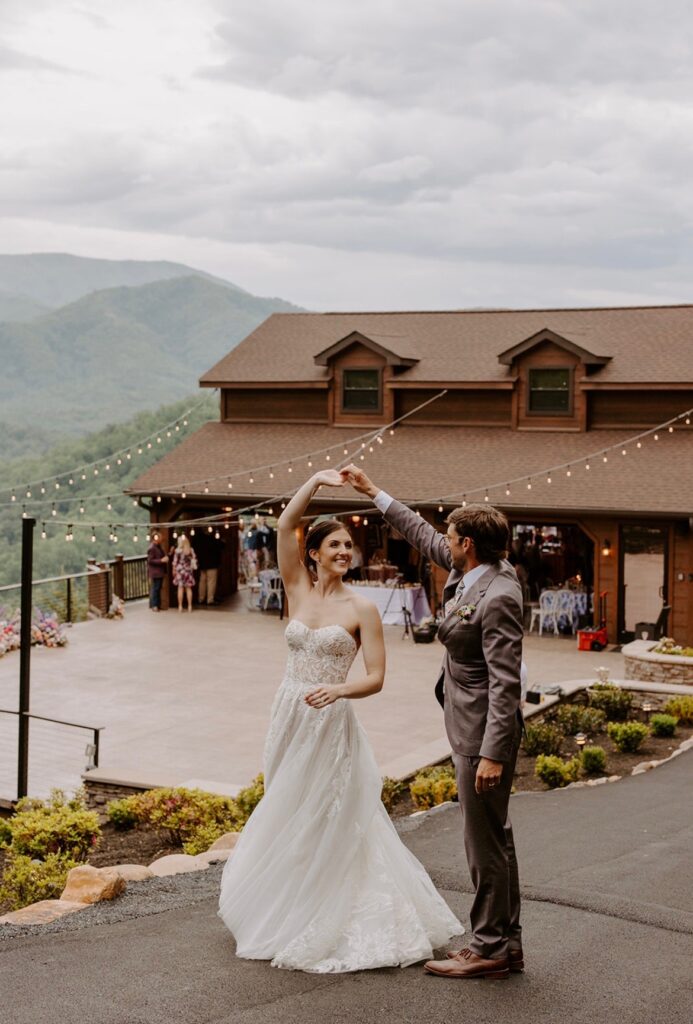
{"points": [[526, 135]]}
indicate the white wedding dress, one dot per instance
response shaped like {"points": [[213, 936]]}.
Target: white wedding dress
{"points": [[319, 879]]}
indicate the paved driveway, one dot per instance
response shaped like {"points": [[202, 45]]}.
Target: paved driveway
{"points": [[608, 922]]}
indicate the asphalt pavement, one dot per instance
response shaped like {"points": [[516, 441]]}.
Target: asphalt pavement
{"points": [[608, 933]]}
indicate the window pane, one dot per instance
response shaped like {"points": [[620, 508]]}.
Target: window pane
{"points": [[361, 379], [361, 400], [549, 379], [549, 390], [549, 401]]}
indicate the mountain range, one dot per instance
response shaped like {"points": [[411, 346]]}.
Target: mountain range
{"points": [[88, 342]]}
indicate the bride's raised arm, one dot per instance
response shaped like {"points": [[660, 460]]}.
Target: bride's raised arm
{"points": [[294, 574]]}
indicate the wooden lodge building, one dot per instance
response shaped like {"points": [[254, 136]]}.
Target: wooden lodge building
{"points": [[525, 391]]}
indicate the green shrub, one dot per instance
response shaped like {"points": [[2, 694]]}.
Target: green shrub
{"points": [[667, 645], [26, 881], [627, 736], [5, 833], [542, 738], [183, 812], [612, 700], [123, 813], [593, 760], [555, 772], [56, 826], [203, 837], [247, 799], [433, 786], [681, 708], [663, 725], [391, 792], [574, 718]]}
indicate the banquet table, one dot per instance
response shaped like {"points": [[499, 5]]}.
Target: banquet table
{"points": [[389, 600]]}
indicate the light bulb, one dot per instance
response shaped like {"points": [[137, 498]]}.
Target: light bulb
{"points": [[183, 495]]}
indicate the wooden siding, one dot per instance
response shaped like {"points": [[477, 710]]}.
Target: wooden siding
{"points": [[548, 355], [358, 356], [636, 408], [481, 407], [272, 405]]}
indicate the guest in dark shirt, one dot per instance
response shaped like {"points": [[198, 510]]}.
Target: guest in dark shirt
{"points": [[157, 567]]}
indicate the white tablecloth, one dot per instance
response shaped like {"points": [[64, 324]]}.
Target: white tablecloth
{"points": [[389, 602]]}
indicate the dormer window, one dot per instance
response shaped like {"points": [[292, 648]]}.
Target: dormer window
{"points": [[361, 391], [550, 391]]}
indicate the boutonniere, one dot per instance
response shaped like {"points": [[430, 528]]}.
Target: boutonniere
{"points": [[465, 612]]}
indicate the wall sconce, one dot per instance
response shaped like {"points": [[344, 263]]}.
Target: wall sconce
{"points": [[606, 548]]}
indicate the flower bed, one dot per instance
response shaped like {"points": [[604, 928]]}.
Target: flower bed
{"points": [[46, 631]]}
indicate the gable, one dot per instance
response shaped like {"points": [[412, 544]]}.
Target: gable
{"points": [[540, 338]]}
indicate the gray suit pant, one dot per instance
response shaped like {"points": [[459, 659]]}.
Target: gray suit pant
{"points": [[490, 849]]}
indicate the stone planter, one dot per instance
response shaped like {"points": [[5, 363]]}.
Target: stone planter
{"points": [[643, 664]]}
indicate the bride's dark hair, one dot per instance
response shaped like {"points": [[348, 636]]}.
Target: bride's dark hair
{"points": [[315, 535]]}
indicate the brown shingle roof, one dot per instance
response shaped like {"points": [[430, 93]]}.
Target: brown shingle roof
{"points": [[652, 344], [431, 462]]}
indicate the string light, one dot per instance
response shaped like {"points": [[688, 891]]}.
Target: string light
{"points": [[93, 535], [43, 531], [529, 486], [671, 430], [548, 479]]}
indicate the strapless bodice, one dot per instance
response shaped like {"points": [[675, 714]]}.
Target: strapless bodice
{"points": [[320, 656]]}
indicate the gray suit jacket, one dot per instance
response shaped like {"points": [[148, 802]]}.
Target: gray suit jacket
{"points": [[479, 684]]}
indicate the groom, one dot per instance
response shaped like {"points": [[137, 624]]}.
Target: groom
{"points": [[479, 688]]}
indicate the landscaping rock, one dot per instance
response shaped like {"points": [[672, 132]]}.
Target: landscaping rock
{"points": [[86, 884], [174, 864], [212, 857], [644, 766], [42, 913], [133, 872], [226, 842]]}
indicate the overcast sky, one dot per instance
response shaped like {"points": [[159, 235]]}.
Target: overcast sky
{"points": [[365, 154]]}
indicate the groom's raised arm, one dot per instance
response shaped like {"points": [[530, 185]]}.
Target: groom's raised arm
{"points": [[420, 534]]}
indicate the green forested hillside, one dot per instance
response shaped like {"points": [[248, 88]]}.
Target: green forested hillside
{"points": [[54, 555], [19, 307], [116, 352]]}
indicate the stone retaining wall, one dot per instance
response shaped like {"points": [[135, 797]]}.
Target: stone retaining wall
{"points": [[642, 664]]}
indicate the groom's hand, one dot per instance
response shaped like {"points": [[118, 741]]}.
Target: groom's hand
{"points": [[359, 481], [488, 775]]}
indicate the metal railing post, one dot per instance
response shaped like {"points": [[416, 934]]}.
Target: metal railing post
{"points": [[25, 656]]}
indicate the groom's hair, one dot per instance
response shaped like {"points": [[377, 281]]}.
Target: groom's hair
{"points": [[486, 526]]}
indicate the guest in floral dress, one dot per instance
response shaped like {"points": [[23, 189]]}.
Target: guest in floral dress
{"points": [[184, 566]]}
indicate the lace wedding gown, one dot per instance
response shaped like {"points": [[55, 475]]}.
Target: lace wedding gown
{"points": [[319, 879]]}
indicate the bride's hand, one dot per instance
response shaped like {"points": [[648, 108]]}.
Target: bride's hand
{"points": [[330, 477], [322, 697]]}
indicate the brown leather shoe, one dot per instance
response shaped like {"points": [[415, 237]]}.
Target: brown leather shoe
{"points": [[516, 959], [467, 964]]}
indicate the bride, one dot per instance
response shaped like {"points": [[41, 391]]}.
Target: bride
{"points": [[319, 879]]}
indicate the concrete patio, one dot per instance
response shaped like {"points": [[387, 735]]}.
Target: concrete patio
{"points": [[185, 699]]}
